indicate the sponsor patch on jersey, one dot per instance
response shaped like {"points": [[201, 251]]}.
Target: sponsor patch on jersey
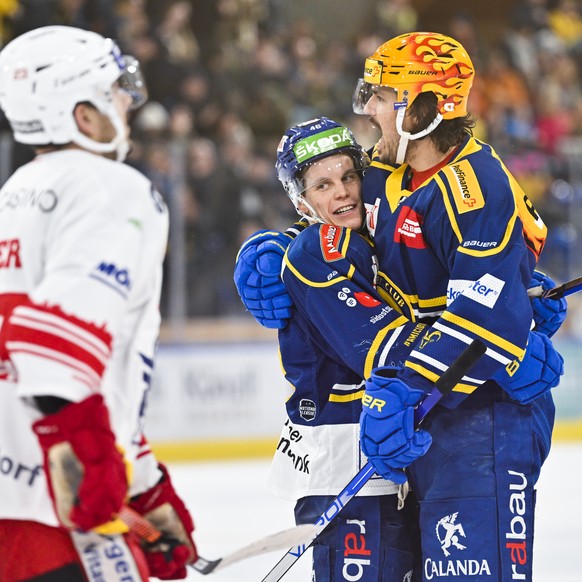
{"points": [[372, 216], [43, 199], [330, 237], [365, 299], [113, 276], [456, 288], [408, 229], [485, 290], [465, 187]]}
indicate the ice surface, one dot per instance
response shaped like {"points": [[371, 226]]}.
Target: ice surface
{"points": [[231, 509]]}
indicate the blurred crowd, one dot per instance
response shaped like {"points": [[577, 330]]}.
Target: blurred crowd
{"points": [[227, 77]]}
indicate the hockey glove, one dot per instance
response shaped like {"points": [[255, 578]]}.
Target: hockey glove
{"points": [[537, 372], [257, 276], [167, 558], [549, 314], [85, 471], [387, 433]]}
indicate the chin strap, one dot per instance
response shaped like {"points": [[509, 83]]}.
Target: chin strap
{"points": [[406, 136], [312, 218]]}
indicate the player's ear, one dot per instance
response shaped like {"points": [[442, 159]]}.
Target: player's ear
{"points": [[85, 116]]}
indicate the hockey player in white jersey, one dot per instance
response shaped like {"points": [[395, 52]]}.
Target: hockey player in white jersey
{"points": [[82, 240]]}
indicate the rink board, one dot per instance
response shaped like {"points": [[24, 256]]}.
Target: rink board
{"points": [[226, 400]]}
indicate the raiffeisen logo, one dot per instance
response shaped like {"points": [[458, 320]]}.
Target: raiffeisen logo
{"points": [[326, 141]]}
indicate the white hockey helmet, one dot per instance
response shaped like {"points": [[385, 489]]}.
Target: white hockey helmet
{"points": [[46, 72]]}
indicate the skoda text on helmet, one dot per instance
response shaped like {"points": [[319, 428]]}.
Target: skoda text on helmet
{"points": [[46, 72], [303, 145], [415, 63]]}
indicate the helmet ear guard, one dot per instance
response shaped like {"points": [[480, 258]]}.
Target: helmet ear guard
{"points": [[46, 72]]}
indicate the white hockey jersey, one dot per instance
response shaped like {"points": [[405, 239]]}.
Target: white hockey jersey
{"points": [[82, 240]]}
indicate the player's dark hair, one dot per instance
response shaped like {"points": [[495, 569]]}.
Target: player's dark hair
{"points": [[449, 133]]}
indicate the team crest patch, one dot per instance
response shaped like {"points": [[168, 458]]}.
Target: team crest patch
{"points": [[408, 229], [464, 187], [330, 237]]}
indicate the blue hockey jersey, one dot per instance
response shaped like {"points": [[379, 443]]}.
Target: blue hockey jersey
{"points": [[330, 274], [332, 340], [458, 252]]}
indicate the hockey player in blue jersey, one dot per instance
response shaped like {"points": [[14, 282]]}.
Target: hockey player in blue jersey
{"points": [[457, 241], [330, 271]]}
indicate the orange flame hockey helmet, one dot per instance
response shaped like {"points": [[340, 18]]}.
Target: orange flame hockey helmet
{"points": [[419, 62]]}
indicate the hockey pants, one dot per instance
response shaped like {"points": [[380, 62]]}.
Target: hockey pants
{"points": [[475, 487]]}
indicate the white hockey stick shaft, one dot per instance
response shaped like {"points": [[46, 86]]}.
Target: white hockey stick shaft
{"points": [[558, 292], [277, 541], [442, 386]]}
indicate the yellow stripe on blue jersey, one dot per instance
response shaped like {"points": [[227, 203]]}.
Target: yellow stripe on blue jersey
{"points": [[371, 359], [395, 190], [307, 281], [451, 190], [394, 296], [481, 332], [346, 397], [460, 387]]}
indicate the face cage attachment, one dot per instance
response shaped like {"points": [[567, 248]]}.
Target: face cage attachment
{"points": [[132, 82]]}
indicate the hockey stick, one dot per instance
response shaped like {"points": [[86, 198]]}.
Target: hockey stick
{"points": [[442, 386], [277, 541], [558, 292]]}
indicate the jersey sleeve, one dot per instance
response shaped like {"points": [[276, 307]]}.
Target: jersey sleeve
{"points": [[330, 274], [487, 235]]}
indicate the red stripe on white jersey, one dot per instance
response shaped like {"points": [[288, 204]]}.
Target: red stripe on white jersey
{"points": [[49, 333]]}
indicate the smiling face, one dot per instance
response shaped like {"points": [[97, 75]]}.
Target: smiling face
{"points": [[333, 190]]}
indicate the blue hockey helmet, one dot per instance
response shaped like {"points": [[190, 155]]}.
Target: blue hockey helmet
{"points": [[310, 141]]}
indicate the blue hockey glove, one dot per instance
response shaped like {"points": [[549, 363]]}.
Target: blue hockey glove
{"points": [[387, 433], [257, 276], [549, 314], [538, 371]]}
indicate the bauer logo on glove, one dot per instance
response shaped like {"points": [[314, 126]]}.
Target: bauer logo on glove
{"points": [[388, 436]]}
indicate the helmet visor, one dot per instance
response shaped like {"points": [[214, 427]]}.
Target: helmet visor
{"points": [[361, 96], [132, 82]]}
